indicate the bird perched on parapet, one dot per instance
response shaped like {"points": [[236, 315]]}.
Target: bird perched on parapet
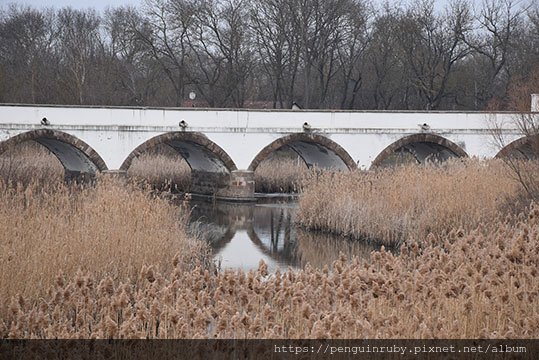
{"points": [[424, 126], [45, 121]]}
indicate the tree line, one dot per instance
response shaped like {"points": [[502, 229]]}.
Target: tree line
{"points": [[338, 54]]}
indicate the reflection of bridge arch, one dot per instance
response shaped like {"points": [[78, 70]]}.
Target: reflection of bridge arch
{"points": [[286, 256], [229, 219], [422, 147], [315, 150], [524, 148], [228, 235], [270, 229], [77, 157], [212, 221], [280, 230], [199, 152]]}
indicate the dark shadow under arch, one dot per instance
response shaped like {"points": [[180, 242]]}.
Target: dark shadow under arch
{"points": [[526, 148], [199, 152], [315, 150], [77, 157], [422, 147]]}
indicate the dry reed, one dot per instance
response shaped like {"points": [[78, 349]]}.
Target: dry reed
{"points": [[452, 283], [283, 175], [163, 169], [392, 205], [110, 230], [30, 162], [458, 286]]}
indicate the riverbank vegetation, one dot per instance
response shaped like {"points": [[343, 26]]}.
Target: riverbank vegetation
{"points": [[460, 285], [283, 172], [30, 162], [114, 260], [165, 170], [108, 230], [162, 168], [393, 205]]}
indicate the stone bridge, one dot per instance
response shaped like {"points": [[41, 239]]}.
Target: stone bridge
{"points": [[224, 147]]}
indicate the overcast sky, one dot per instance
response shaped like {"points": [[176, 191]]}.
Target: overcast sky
{"points": [[78, 4], [100, 5]]}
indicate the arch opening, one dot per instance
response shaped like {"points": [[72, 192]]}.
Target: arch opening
{"points": [[315, 150], [78, 159], [209, 165], [419, 149], [198, 151], [525, 148]]}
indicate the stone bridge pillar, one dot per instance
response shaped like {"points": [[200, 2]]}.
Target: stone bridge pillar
{"points": [[238, 185]]}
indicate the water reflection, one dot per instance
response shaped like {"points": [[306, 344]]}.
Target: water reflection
{"points": [[243, 234]]}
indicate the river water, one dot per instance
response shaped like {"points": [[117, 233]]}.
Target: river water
{"points": [[243, 234]]}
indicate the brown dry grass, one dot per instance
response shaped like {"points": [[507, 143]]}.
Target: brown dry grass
{"points": [[455, 284], [163, 169], [160, 167], [393, 205], [110, 230], [458, 286], [280, 175], [30, 162]]}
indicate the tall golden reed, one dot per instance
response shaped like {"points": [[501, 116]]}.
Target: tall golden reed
{"points": [[451, 283], [30, 162], [112, 229], [162, 171], [457, 286], [393, 205], [282, 175]]}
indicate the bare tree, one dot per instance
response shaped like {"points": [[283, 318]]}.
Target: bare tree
{"points": [[317, 24], [522, 161], [497, 25], [79, 43], [222, 45], [136, 72], [385, 75], [432, 45], [164, 32], [26, 38], [354, 37], [277, 45]]}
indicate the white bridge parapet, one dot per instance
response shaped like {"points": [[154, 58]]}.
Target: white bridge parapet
{"points": [[222, 140]]}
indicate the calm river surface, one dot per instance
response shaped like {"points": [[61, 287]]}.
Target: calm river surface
{"points": [[243, 234]]}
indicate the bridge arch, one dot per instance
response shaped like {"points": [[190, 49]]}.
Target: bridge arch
{"points": [[76, 156], [421, 147], [526, 147], [199, 152], [314, 149]]}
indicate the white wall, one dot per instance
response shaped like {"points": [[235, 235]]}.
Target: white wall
{"points": [[114, 132]]}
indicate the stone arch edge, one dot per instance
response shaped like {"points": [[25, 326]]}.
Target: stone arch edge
{"points": [[313, 138], [64, 137], [430, 138], [197, 138], [508, 149]]}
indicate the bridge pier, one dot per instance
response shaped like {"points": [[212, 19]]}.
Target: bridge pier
{"points": [[119, 174], [71, 176], [238, 185]]}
